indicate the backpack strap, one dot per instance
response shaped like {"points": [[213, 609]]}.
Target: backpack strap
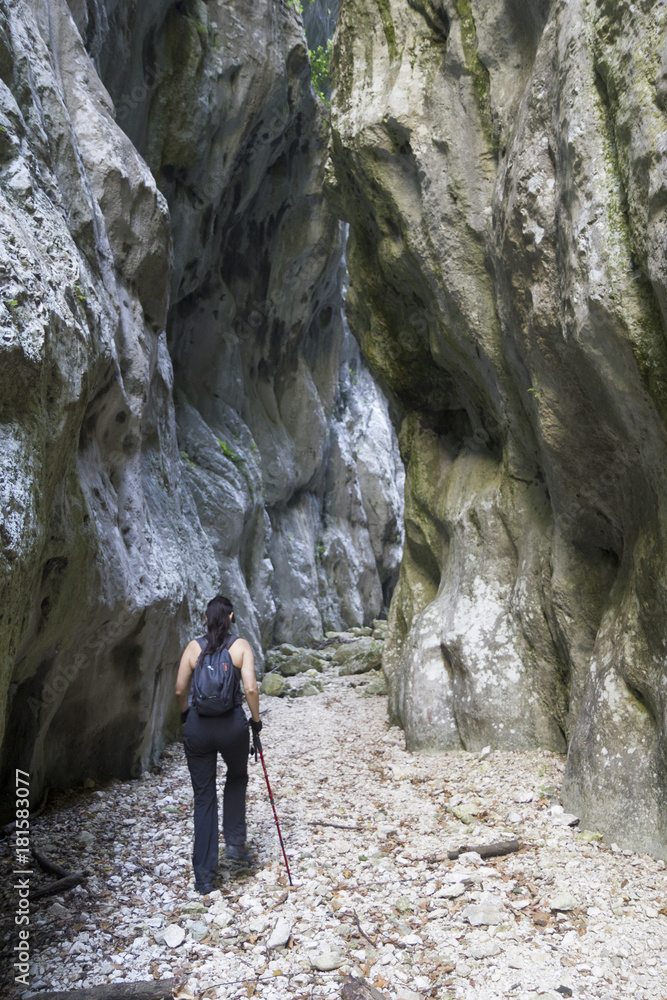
{"points": [[227, 644]]}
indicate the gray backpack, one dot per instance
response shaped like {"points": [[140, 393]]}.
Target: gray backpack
{"points": [[215, 682]]}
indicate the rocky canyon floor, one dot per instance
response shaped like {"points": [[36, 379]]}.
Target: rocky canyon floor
{"points": [[367, 827]]}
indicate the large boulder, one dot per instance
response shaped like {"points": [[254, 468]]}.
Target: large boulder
{"points": [[358, 657], [503, 171], [273, 685], [299, 662]]}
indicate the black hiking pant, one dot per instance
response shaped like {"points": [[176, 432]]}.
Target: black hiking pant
{"points": [[204, 737]]}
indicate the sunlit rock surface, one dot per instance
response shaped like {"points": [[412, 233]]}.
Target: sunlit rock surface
{"points": [[502, 168]]}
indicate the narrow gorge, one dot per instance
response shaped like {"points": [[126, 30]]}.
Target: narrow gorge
{"points": [[188, 230]]}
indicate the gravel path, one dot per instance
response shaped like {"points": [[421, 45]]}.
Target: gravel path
{"points": [[567, 916]]}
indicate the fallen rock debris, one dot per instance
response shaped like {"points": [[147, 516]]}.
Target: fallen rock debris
{"points": [[378, 909]]}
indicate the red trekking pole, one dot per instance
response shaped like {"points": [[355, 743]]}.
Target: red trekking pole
{"points": [[258, 747]]}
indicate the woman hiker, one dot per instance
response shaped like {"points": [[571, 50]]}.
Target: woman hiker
{"points": [[206, 735]]}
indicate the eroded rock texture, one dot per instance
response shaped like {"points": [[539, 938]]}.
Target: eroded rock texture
{"points": [[502, 167], [178, 387], [100, 563], [237, 144]]}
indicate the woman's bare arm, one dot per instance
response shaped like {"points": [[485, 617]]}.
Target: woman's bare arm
{"points": [[185, 671], [244, 658]]}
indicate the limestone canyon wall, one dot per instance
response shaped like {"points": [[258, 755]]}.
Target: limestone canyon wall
{"points": [[237, 145], [99, 561], [183, 410], [502, 166]]}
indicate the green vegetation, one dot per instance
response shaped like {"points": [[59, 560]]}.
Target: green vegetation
{"points": [[80, 293], [588, 836], [627, 253], [240, 463], [476, 68], [208, 33], [388, 27], [186, 458], [296, 5], [229, 453], [320, 62]]}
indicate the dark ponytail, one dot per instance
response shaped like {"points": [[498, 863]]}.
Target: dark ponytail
{"points": [[218, 622]]}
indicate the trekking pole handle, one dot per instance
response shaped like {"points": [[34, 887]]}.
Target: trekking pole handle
{"points": [[256, 742]]}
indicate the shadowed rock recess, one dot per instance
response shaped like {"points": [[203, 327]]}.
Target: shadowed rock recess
{"points": [[502, 166], [183, 408]]}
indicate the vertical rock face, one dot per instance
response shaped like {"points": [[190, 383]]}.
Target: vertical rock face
{"points": [[237, 144], [502, 168], [99, 560], [178, 413]]}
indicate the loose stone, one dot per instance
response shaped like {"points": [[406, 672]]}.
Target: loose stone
{"points": [[484, 915], [563, 901], [280, 935], [327, 961], [174, 935]]}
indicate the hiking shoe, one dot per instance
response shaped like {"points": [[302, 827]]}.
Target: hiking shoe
{"points": [[237, 852], [203, 888]]}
